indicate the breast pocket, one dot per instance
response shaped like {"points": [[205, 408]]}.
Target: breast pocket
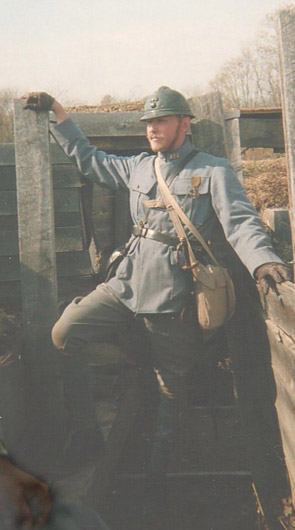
{"points": [[193, 195], [140, 192]]}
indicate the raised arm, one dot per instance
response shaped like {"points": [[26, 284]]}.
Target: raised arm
{"points": [[43, 101]]}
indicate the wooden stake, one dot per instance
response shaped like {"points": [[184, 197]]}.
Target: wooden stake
{"points": [[286, 31], [38, 272]]}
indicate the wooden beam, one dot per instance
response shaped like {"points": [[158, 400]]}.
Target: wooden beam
{"points": [[233, 141], [261, 130], [104, 124], [38, 278], [251, 356], [208, 128], [286, 29], [35, 215], [283, 352], [123, 422]]}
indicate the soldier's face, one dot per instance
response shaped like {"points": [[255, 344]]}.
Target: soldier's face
{"points": [[167, 132]]}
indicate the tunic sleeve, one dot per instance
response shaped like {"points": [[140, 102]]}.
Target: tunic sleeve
{"points": [[108, 170], [241, 223]]}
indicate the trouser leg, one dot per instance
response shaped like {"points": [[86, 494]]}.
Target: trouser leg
{"points": [[93, 318], [176, 347]]}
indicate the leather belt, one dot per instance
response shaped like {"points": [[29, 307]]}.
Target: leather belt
{"points": [[157, 236]]}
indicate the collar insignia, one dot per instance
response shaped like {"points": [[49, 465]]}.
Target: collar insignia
{"points": [[173, 156]]}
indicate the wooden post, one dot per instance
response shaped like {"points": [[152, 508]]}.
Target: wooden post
{"points": [[38, 276], [233, 141], [208, 128], [286, 30]]}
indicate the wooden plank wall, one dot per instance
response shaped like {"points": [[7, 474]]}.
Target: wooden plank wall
{"points": [[71, 240]]}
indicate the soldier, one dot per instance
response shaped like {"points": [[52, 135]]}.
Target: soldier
{"points": [[150, 289]]}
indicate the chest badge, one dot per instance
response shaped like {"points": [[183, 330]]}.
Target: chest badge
{"points": [[195, 182]]}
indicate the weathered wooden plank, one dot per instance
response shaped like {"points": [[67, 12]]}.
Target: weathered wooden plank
{"points": [[249, 350], [8, 222], [35, 214], [73, 264], [12, 403], [110, 123], [261, 131], [67, 218], [38, 279], [120, 429], [7, 178], [232, 128], [66, 200], [66, 239], [125, 145], [9, 268], [8, 203], [286, 29], [7, 155], [280, 307], [208, 128], [68, 264], [8, 242], [278, 221], [63, 175], [283, 359]]}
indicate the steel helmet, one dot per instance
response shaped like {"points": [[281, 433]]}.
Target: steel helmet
{"points": [[164, 102]]}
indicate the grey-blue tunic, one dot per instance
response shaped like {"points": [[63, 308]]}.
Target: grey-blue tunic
{"points": [[149, 279]]}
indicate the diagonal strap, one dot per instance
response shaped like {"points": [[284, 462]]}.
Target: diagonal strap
{"points": [[177, 214], [181, 165]]}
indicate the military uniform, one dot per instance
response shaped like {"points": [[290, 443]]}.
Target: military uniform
{"points": [[207, 187], [150, 289]]}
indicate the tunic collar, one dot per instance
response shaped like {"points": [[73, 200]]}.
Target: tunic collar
{"points": [[175, 155]]}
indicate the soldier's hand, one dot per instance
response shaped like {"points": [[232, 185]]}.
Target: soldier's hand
{"points": [[39, 101], [24, 500], [271, 273]]}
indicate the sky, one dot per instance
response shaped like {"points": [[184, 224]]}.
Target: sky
{"points": [[81, 50]]}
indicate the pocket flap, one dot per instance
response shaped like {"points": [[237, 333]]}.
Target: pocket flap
{"points": [[142, 185]]}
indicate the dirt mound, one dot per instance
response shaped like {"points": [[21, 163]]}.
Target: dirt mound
{"points": [[266, 182], [113, 107]]}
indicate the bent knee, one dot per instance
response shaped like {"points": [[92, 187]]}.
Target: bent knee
{"points": [[58, 336], [65, 341]]}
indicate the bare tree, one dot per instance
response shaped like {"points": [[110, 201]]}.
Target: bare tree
{"points": [[252, 79], [6, 114]]}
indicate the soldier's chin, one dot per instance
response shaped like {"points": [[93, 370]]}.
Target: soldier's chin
{"points": [[154, 145]]}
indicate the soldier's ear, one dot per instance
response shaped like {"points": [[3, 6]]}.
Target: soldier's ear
{"points": [[186, 123]]}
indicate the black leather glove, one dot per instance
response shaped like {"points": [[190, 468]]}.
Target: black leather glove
{"points": [[39, 101], [271, 273]]}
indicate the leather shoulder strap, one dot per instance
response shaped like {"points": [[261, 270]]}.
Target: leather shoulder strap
{"points": [[172, 204]]}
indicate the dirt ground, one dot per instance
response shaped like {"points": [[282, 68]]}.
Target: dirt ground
{"points": [[266, 182]]}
